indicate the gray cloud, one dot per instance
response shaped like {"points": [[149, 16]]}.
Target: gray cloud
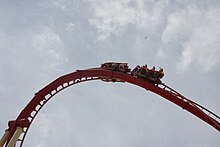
{"points": [[41, 40], [114, 16], [197, 32]]}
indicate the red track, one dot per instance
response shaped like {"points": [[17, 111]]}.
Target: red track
{"points": [[28, 114]]}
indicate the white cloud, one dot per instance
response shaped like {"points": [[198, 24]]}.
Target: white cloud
{"points": [[196, 33], [70, 27], [2, 39], [47, 125], [112, 16], [61, 4], [48, 45], [178, 27], [203, 46]]}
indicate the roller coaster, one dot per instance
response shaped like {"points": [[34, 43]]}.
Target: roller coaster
{"points": [[148, 79]]}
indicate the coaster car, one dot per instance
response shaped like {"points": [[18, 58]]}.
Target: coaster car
{"points": [[118, 67], [149, 75]]}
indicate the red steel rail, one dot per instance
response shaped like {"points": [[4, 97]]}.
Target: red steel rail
{"points": [[28, 114]]}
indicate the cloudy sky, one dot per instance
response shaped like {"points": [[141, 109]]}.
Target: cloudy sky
{"points": [[41, 40]]}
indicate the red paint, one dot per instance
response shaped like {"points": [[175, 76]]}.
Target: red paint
{"points": [[27, 115]]}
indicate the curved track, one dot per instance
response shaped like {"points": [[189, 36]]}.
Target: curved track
{"points": [[28, 114]]}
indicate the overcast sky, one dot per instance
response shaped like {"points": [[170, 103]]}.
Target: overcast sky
{"points": [[41, 40]]}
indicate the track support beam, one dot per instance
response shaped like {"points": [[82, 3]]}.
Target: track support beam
{"points": [[4, 138], [15, 137]]}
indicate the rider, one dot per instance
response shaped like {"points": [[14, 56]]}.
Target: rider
{"points": [[145, 67], [161, 73], [151, 72], [153, 69]]}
